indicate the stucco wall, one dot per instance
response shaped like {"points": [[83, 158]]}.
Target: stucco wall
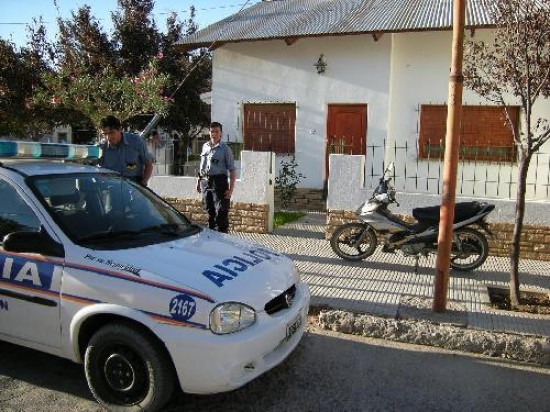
{"points": [[270, 71], [255, 186], [420, 75], [393, 76], [347, 190]]}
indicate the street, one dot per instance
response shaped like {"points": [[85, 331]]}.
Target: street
{"points": [[327, 372]]}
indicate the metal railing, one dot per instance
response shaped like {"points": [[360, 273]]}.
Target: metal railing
{"points": [[189, 164], [476, 176]]}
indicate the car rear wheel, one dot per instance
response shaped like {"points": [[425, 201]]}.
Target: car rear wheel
{"points": [[127, 370]]}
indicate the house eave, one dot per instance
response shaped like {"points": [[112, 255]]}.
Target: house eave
{"points": [[377, 34]]}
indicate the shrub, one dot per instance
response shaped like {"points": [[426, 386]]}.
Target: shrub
{"points": [[287, 179]]}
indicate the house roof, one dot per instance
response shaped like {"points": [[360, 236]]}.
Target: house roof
{"points": [[288, 19]]}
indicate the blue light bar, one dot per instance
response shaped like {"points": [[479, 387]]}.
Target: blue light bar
{"points": [[36, 150]]}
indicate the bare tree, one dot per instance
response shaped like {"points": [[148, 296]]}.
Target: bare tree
{"points": [[515, 70]]}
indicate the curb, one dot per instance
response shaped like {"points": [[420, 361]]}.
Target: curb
{"points": [[518, 347]]}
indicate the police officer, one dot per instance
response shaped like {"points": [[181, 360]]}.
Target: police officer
{"points": [[216, 163], [125, 153]]}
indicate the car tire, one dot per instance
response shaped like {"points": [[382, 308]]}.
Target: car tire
{"points": [[127, 370]]}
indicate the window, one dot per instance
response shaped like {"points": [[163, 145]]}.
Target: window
{"points": [[15, 214], [107, 211], [270, 127], [484, 133]]}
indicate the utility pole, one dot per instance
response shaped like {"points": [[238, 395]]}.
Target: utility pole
{"points": [[452, 138]]}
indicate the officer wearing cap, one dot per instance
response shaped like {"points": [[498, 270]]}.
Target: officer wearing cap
{"points": [[216, 180], [125, 153]]}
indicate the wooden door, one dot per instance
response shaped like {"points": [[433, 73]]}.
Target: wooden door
{"points": [[346, 130]]}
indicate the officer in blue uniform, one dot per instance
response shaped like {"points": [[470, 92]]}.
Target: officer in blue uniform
{"points": [[216, 180], [125, 153]]}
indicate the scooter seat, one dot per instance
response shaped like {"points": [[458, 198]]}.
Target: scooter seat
{"points": [[463, 211]]}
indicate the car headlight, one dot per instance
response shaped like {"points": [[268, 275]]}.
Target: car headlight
{"points": [[231, 317]]}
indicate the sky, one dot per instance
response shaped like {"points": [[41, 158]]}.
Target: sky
{"points": [[16, 14]]}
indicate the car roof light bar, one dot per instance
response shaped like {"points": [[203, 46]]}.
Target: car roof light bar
{"points": [[37, 150]]}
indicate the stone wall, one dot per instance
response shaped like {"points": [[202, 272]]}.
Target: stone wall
{"points": [[535, 240], [243, 217], [304, 199]]}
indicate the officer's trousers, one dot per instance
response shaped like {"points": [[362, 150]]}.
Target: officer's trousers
{"points": [[215, 203]]}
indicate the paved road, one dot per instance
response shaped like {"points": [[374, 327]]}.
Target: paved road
{"points": [[328, 372]]}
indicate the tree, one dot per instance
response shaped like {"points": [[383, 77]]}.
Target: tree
{"points": [[193, 72], [92, 79], [133, 73], [515, 70], [137, 37], [20, 71], [14, 73], [135, 34], [105, 92], [83, 47]]}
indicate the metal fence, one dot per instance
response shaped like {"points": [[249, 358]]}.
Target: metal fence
{"points": [[189, 164], [417, 172], [476, 176]]}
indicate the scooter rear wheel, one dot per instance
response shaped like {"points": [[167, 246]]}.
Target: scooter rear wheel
{"points": [[472, 251], [353, 241]]}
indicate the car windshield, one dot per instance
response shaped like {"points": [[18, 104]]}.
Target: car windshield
{"points": [[107, 211]]}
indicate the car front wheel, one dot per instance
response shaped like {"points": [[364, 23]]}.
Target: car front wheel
{"points": [[127, 370]]}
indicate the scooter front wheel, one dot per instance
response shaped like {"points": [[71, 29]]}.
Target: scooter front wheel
{"points": [[353, 241], [469, 250]]}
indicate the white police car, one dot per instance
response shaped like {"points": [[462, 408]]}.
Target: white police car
{"points": [[99, 270]]}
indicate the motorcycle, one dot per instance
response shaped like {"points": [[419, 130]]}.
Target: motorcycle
{"points": [[358, 240]]}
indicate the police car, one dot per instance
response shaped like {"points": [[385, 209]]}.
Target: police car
{"points": [[100, 270]]}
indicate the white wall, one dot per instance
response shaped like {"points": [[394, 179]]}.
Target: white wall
{"points": [[346, 191], [270, 71], [420, 75], [255, 184], [393, 76]]}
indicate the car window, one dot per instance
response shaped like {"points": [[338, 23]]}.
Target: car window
{"points": [[106, 209], [15, 214]]}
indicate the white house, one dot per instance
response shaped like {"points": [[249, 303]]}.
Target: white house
{"points": [[370, 77]]}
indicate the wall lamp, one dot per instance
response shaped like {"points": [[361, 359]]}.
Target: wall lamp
{"points": [[321, 64]]}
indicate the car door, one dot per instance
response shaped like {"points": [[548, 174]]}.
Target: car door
{"points": [[29, 282]]}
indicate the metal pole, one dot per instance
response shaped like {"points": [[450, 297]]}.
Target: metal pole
{"points": [[454, 113], [151, 125]]}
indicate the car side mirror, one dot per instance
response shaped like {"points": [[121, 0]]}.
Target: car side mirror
{"points": [[33, 242]]}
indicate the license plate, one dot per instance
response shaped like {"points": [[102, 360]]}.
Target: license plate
{"points": [[293, 327]]}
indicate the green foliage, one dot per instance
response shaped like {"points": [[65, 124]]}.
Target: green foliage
{"points": [[104, 93], [133, 73], [287, 179], [283, 218], [19, 73]]}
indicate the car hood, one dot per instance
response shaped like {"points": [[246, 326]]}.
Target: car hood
{"points": [[220, 266]]}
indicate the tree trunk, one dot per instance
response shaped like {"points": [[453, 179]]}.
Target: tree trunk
{"points": [[524, 160]]}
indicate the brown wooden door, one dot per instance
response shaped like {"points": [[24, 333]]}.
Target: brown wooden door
{"points": [[346, 130]]}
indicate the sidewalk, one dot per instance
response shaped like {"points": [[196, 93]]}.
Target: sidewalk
{"points": [[386, 284]]}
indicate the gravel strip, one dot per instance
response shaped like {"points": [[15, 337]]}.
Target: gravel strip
{"points": [[524, 348]]}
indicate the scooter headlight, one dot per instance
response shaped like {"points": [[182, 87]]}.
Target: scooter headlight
{"points": [[368, 206]]}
